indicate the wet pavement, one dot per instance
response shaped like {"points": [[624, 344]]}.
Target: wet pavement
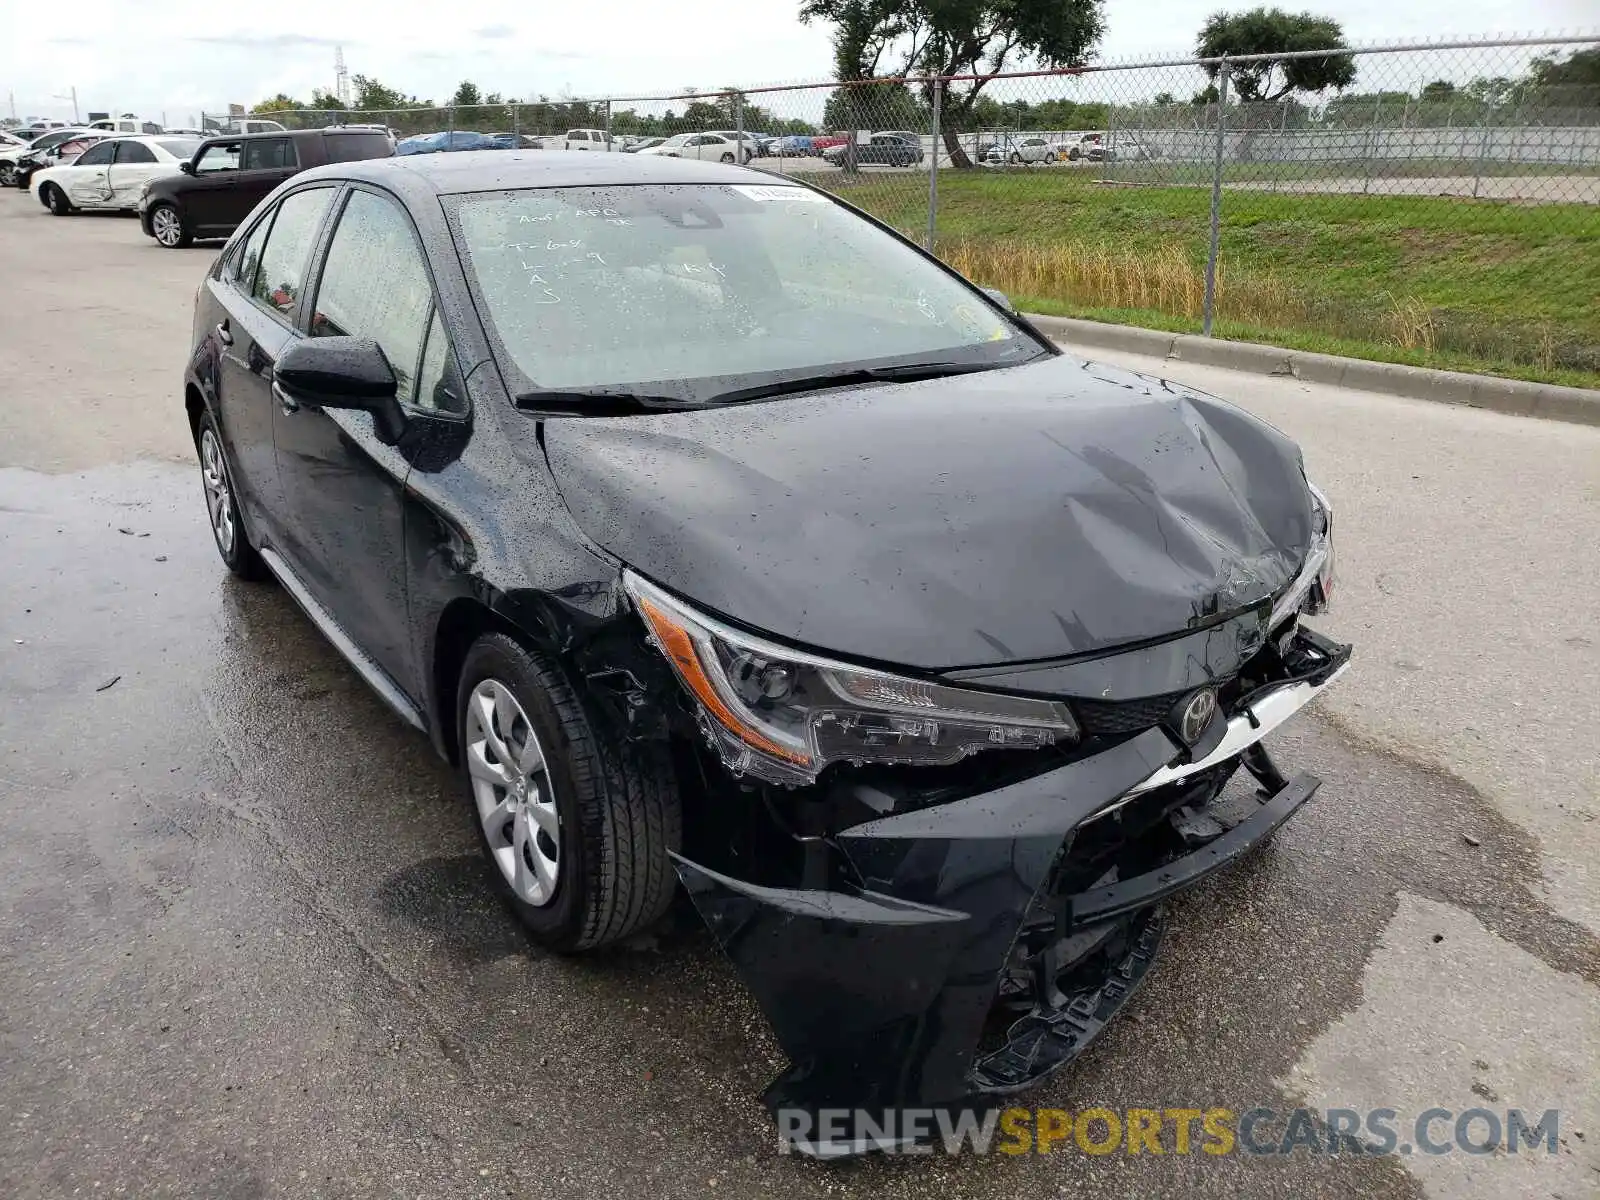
{"points": [[248, 948]]}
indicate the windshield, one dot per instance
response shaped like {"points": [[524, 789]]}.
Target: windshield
{"points": [[179, 147], [693, 290]]}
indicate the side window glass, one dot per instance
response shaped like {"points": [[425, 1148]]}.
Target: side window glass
{"points": [[433, 379], [135, 152], [282, 273], [247, 256], [96, 156], [218, 158], [375, 284], [267, 154]]}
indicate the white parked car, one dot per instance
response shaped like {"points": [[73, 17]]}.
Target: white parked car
{"points": [[1017, 151], [712, 147], [110, 174], [127, 123], [587, 139], [10, 155]]}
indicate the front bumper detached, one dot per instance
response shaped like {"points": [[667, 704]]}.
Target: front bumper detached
{"points": [[974, 959]]}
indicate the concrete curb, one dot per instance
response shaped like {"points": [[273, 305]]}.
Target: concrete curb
{"points": [[1581, 406]]}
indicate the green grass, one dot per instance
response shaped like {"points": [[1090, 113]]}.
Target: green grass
{"points": [[1496, 288]]}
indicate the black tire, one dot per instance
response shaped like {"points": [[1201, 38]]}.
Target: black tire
{"points": [[236, 552], [618, 807], [8, 175], [1016, 159], [162, 213], [55, 200], [1074, 154], [727, 158]]}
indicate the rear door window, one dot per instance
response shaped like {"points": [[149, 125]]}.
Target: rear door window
{"points": [[282, 274], [97, 155], [267, 154]]}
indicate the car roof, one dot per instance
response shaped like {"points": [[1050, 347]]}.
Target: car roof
{"points": [[421, 176]]}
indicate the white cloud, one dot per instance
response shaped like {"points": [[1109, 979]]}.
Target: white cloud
{"points": [[125, 56]]}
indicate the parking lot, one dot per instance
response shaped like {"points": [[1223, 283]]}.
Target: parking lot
{"points": [[250, 951]]}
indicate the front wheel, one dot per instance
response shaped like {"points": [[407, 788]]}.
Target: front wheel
{"points": [[577, 828], [166, 226], [1050, 158], [1016, 159], [56, 200], [8, 174]]}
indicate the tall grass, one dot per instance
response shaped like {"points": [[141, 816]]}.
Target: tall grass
{"points": [[1099, 274]]}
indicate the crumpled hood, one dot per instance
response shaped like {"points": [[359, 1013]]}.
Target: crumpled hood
{"points": [[1052, 509]]}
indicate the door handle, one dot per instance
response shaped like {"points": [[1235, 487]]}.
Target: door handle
{"points": [[287, 402], [223, 335]]}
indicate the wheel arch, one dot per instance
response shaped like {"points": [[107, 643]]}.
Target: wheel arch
{"points": [[462, 622]]}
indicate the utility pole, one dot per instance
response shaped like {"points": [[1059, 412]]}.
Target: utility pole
{"points": [[74, 98]]}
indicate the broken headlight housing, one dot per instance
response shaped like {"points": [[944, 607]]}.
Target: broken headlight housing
{"points": [[782, 715], [1312, 588]]}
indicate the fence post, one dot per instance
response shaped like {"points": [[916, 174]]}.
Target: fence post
{"points": [[1483, 148], [1216, 200], [608, 127], [1372, 142], [738, 127], [933, 166], [450, 135], [516, 127]]}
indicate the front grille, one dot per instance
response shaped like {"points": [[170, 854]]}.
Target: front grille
{"points": [[1111, 718]]}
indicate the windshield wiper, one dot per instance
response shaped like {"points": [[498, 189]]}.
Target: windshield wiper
{"points": [[598, 402], [905, 373]]}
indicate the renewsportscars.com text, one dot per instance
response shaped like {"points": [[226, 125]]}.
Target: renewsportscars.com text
{"points": [[1216, 1132]]}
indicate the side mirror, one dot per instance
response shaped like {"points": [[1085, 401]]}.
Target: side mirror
{"points": [[1000, 298], [341, 372], [187, 167]]}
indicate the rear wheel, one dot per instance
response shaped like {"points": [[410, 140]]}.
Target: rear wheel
{"points": [[727, 158], [222, 507], [576, 828], [166, 226], [55, 200]]}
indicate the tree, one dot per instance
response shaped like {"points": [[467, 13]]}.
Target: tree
{"points": [[1273, 31], [372, 96], [973, 38], [467, 95], [278, 103], [875, 106], [1439, 90], [1164, 98]]}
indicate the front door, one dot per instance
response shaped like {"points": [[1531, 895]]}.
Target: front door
{"points": [[134, 166], [216, 174], [258, 291], [343, 487]]}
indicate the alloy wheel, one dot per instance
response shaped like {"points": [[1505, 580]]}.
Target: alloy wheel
{"points": [[8, 175], [219, 495], [511, 787], [166, 226]]}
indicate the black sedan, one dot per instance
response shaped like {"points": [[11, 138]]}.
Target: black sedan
{"points": [[882, 149], [724, 538]]}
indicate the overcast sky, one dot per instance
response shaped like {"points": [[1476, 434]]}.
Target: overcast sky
{"points": [[179, 56]]}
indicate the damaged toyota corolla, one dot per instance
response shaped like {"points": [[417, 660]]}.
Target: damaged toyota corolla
{"points": [[723, 537]]}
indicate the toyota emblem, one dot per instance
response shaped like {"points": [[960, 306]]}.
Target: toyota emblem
{"points": [[1198, 710]]}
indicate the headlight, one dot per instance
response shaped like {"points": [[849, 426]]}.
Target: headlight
{"points": [[1312, 588], [782, 715]]}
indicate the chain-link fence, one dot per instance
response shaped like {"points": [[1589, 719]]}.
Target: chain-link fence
{"points": [[1441, 206]]}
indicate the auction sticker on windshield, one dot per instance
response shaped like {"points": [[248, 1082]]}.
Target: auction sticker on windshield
{"points": [[791, 195]]}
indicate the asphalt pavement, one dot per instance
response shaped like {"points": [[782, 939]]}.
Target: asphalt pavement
{"points": [[248, 948]]}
